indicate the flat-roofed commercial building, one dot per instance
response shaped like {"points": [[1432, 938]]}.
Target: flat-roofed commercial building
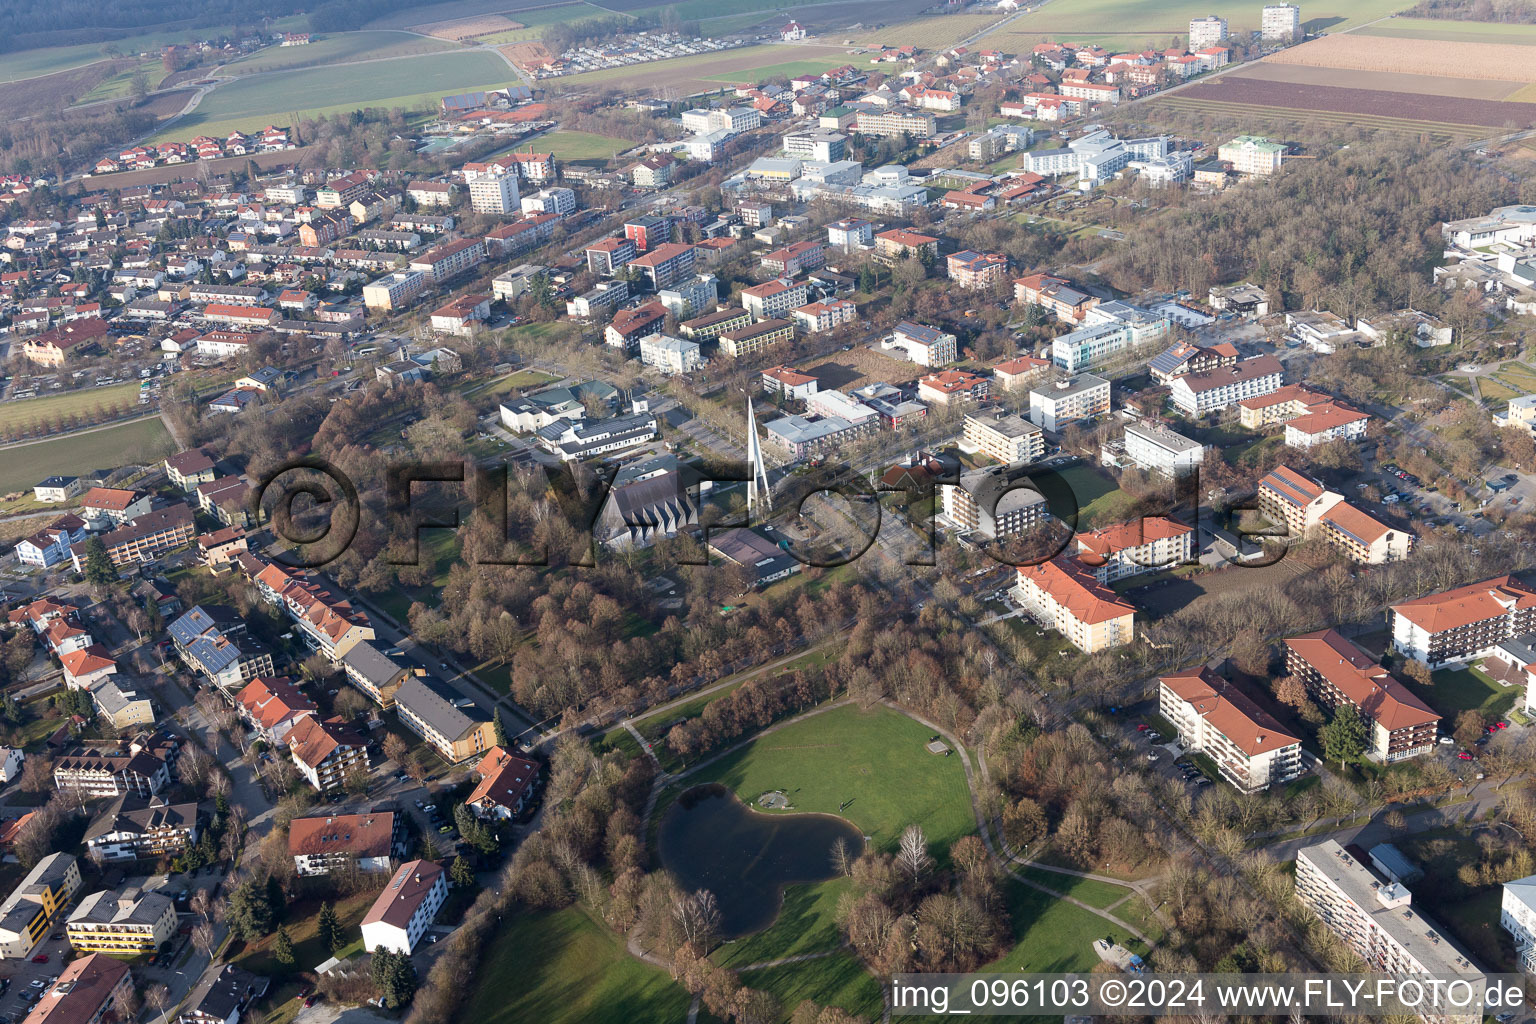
{"points": [[1157, 449], [1054, 406]]}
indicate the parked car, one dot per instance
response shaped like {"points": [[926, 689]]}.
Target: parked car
{"points": [[1462, 755]]}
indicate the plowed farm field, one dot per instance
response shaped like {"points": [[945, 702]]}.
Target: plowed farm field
{"points": [[1363, 104], [1436, 57]]}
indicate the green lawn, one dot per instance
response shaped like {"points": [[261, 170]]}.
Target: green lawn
{"points": [[565, 968], [77, 454], [337, 48], [1457, 690], [807, 923], [50, 60], [1088, 890], [67, 403], [580, 146], [121, 84], [838, 980], [302, 922], [789, 69], [534, 22], [1137, 911], [1100, 501], [874, 761], [407, 82], [1051, 936], [440, 548]]}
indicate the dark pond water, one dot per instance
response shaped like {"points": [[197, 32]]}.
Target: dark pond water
{"points": [[711, 840]]}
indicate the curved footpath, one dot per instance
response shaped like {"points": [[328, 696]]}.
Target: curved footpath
{"points": [[1009, 861]]}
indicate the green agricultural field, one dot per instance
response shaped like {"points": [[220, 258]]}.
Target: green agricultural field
{"points": [[251, 103], [1280, 120], [872, 761], [69, 403], [1122, 24], [534, 22], [1051, 936], [121, 84], [1453, 31], [932, 33], [50, 60], [339, 48], [789, 69], [141, 441], [565, 968], [581, 146]]}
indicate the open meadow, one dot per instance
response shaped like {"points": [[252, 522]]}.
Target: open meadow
{"points": [[1125, 24], [1443, 28], [336, 48], [579, 147], [141, 441], [250, 103], [930, 33]]}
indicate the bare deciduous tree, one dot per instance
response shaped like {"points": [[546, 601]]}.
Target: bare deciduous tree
{"points": [[699, 917], [913, 852]]}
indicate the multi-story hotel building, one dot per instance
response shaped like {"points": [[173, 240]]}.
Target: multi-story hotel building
{"points": [[1062, 596], [1053, 406], [1249, 747], [711, 325], [995, 502], [1517, 915], [494, 194], [774, 299], [977, 271], [607, 257], [1002, 436], [32, 907], [149, 536], [747, 341], [1141, 545], [1156, 449], [1336, 672], [1197, 394], [1056, 295], [450, 260], [1251, 155], [1376, 918], [894, 122], [1280, 22], [1463, 624], [123, 923], [1364, 538], [449, 722], [1206, 31], [394, 291], [131, 828], [1090, 346], [665, 265], [325, 752], [324, 843], [925, 346], [1297, 502], [1185, 357], [824, 314]]}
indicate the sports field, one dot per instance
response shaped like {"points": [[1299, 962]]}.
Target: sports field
{"points": [[579, 146], [409, 82], [1120, 24], [338, 48], [565, 968], [76, 454]]}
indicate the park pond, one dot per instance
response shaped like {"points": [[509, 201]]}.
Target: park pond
{"points": [[711, 840]]}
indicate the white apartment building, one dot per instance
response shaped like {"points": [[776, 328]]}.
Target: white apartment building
{"points": [[670, 355], [400, 916], [496, 194], [1376, 918], [774, 299], [1157, 449], [1060, 595], [1002, 436], [1280, 22], [850, 234], [1207, 31], [559, 201], [1199, 394], [1215, 718], [824, 314], [1141, 545], [1054, 406], [509, 285], [994, 502], [1463, 624], [926, 346], [1517, 915], [1251, 155]]}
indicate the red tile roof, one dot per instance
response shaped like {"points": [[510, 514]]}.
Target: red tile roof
{"points": [[1376, 692], [1239, 719], [1436, 613], [1066, 584]]}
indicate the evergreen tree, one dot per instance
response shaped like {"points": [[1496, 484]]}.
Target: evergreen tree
{"points": [[249, 913], [460, 873], [395, 976], [1345, 738], [499, 728], [282, 949], [329, 929], [98, 564]]}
